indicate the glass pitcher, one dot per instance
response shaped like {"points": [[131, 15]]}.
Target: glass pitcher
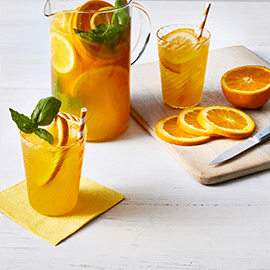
{"points": [[91, 57]]}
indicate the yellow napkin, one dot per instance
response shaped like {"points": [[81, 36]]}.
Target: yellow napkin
{"points": [[94, 199]]}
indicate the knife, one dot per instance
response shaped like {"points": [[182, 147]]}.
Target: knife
{"points": [[260, 137]]}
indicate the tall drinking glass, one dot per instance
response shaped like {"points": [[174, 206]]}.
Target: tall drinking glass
{"points": [[182, 62]]}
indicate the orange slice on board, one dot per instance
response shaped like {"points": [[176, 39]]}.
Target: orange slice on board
{"points": [[226, 121], [168, 130], [187, 120], [247, 86]]}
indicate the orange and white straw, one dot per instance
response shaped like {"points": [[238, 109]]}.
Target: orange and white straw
{"points": [[82, 123], [204, 18]]}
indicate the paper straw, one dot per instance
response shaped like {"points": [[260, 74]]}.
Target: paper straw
{"points": [[204, 18], [82, 123]]}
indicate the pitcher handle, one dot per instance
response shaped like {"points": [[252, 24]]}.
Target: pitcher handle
{"points": [[144, 35]]}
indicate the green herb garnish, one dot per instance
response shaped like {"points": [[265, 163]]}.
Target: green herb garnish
{"points": [[108, 35], [42, 115]]}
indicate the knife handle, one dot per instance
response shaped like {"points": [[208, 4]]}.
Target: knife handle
{"points": [[263, 135]]}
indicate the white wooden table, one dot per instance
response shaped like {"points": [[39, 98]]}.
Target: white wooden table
{"points": [[167, 220]]}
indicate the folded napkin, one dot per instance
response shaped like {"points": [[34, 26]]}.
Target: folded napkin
{"points": [[94, 199]]}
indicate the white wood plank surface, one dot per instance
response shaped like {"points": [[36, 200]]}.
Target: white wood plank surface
{"points": [[167, 220]]}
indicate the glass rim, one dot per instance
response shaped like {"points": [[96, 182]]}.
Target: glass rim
{"points": [[51, 147], [181, 25], [83, 12]]}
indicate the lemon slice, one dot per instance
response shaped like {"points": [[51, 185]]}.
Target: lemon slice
{"points": [[62, 53], [178, 47], [182, 36], [101, 18], [60, 22]]}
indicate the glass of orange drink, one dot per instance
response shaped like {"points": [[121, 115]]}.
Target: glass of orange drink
{"points": [[91, 58], [182, 62], [53, 172]]}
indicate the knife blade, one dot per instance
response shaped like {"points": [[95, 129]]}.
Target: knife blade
{"points": [[260, 137]]}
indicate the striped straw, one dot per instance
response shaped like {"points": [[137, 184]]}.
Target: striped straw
{"points": [[204, 18], [82, 123]]}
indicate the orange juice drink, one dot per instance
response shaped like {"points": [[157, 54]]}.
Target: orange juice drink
{"points": [[90, 65], [53, 172], [182, 62]]}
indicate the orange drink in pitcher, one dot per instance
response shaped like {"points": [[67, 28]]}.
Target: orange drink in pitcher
{"points": [[90, 62]]}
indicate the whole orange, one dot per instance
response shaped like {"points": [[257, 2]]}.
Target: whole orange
{"points": [[247, 86]]}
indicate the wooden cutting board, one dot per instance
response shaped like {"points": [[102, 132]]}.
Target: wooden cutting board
{"points": [[148, 107]]}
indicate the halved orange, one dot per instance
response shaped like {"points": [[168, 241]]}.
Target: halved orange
{"points": [[226, 121], [187, 120], [168, 130], [247, 86]]}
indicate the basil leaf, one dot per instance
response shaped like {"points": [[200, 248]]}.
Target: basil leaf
{"points": [[45, 111], [107, 35], [120, 17], [23, 122], [45, 135]]}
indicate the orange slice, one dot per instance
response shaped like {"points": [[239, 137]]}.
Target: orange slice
{"points": [[247, 86], [226, 121], [187, 120], [60, 22], [60, 129], [101, 18], [63, 131], [62, 53], [178, 47], [83, 21], [168, 130], [90, 83]]}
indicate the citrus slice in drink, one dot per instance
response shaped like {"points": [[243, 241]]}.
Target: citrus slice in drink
{"points": [[82, 18], [226, 121], [60, 130], [49, 156], [84, 21], [60, 22], [92, 82], [105, 94], [247, 86], [101, 18], [168, 130], [182, 37], [178, 47], [62, 53], [187, 120]]}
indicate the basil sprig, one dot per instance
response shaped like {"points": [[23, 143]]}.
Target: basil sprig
{"points": [[108, 35], [42, 115]]}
